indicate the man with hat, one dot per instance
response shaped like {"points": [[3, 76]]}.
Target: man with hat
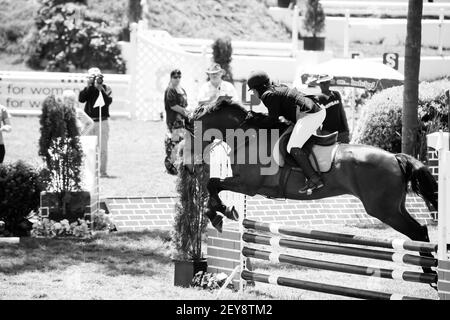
{"points": [[336, 119], [216, 88], [97, 97]]}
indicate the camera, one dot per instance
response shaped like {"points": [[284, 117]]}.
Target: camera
{"points": [[98, 79]]}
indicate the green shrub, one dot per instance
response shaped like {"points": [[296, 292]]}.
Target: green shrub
{"points": [[69, 36], [20, 187], [381, 122]]}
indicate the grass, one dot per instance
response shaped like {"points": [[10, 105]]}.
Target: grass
{"points": [[138, 265], [136, 156]]}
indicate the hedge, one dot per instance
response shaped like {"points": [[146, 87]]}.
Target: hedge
{"points": [[380, 124]]}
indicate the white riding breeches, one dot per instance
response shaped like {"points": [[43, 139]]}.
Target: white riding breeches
{"points": [[305, 127]]}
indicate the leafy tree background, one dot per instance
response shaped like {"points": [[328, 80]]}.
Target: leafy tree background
{"points": [[67, 37]]}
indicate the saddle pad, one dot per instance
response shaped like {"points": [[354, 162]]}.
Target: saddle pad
{"points": [[324, 156]]}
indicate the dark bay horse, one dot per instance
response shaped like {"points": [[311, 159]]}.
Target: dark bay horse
{"points": [[378, 178]]}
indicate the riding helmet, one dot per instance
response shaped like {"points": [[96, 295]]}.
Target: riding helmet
{"points": [[257, 78]]}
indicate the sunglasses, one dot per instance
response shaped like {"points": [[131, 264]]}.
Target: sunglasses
{"points": [[176, 77]]}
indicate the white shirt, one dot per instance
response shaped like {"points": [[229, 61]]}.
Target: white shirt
{"points": [[225, 88]]}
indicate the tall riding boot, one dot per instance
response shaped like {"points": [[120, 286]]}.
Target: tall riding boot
{"points": [[314, 180]]}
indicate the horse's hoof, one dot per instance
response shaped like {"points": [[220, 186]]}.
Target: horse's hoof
{"points": [[231, 213], [217, 223]]}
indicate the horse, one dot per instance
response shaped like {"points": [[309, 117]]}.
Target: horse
{"points": [[378, 178]]}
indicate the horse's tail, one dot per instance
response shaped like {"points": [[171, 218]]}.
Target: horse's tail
{"points": [[422, 181]]}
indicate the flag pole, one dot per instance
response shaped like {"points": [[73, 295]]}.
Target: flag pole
{"points": [[99, 158]]}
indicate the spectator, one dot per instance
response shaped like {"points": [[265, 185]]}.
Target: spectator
{"points": [[216, 88], [175, 101], [5, 126], [336, 119], [84, 122], [97, 97]]}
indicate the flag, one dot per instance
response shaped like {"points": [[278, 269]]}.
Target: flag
{"points": [[100, 102]]}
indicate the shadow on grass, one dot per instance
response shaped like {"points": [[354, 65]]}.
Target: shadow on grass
{"points": [[132, 253]]}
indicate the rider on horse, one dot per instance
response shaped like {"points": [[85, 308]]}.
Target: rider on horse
{"points": [[282, 101]]}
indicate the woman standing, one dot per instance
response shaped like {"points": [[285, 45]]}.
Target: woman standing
{"points": [[175, 103], [5, 126]]}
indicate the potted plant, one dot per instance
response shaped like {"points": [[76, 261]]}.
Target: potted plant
{"points": [[314, 24], [60, 149], [189, 226], [284, 3]]}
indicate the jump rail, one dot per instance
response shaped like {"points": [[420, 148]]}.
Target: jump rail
{"points": [[340, 267], [343, 250], [322, 287], [418, 246]]}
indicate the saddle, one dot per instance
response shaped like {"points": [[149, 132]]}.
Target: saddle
{"points": [[322, 151]]}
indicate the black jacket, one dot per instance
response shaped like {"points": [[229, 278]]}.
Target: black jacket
{"points": [[90, 95], [283, 101], [336, 120]]}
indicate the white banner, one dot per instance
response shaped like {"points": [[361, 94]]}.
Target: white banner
{"points": [[25, 91]]}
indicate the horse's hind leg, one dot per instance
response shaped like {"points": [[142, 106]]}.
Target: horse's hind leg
{"points": [[419, 235], [397, 217]]}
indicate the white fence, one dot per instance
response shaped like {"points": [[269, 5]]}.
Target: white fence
{"points": [[435, 32], [245, 48], [391, 8]]}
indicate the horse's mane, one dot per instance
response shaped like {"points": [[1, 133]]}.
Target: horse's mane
{"points": [[215, 107]]}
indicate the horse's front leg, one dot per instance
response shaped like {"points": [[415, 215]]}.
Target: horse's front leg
{"points": [[215, 205], [215, 185]]}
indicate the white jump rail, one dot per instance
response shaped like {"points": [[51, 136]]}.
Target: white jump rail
{"points": [[381, 7], [246, 48]]}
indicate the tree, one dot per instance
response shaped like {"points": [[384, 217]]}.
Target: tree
{"points": [[190, 223], [70, 36], [314, 21], [134, 11], [222, 54], [60, 148], [412, 68]]}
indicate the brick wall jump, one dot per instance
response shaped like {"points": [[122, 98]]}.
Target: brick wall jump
{"points": [[135, 214]]}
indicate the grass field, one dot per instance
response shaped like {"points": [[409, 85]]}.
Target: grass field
{"points": [[138, 266], [136, 155]]}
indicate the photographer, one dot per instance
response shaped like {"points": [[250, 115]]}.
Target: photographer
{"points": [[97, 97]]}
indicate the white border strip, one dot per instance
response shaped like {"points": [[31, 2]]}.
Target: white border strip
{"points": [[273, 280], [274, 228], [398, 257], [398, 244], [396, 296]]}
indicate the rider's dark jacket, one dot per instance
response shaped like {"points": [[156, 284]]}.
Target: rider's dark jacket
{"points": [[283, 101]]}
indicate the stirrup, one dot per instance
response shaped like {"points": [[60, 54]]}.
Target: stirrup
{"points": [[311, 186]]}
